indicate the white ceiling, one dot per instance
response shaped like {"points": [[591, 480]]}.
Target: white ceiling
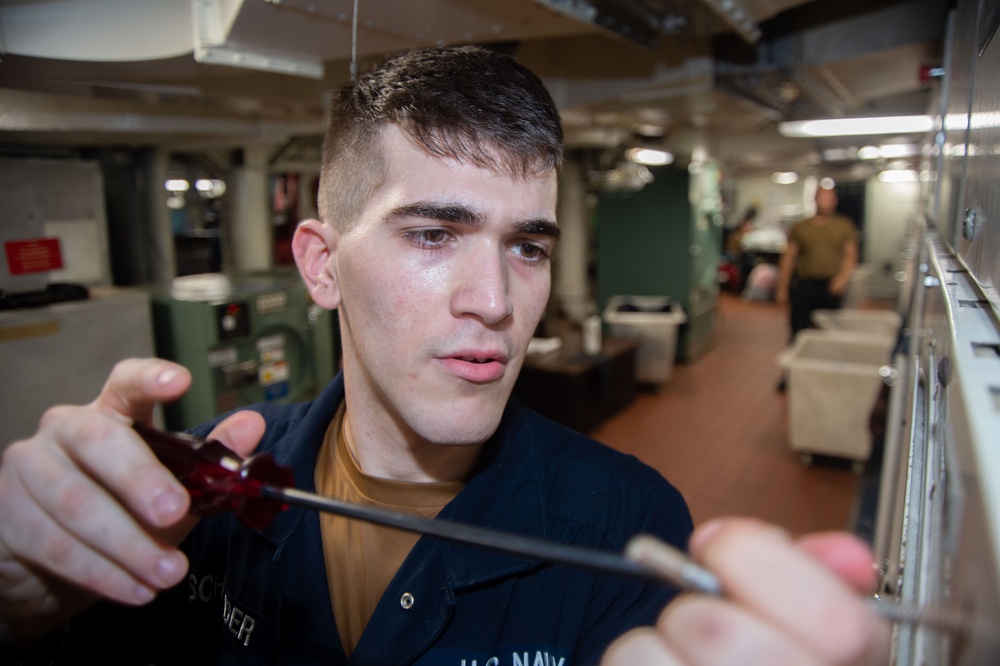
{"points": [[198, 74]]}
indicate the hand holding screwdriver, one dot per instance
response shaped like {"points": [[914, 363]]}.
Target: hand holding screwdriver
{"points": [[219, 480], [89, 511]]}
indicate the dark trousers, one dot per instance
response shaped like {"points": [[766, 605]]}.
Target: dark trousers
{"points": [[804, 296]]}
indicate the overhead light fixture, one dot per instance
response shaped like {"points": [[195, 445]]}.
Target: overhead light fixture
{"points": [[176, 185], [899, 176], [784, 177], [897, 150], [857, 126], [210, 188], [649, 130], [649, 156], [888, 151], [869, 153]]}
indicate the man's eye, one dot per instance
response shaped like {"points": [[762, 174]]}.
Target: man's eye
{"points": [[531, 251], [433, 235], [428, 238]]}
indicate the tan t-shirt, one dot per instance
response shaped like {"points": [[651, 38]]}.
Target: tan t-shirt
{"points": [[362, 558], [821, 246]]}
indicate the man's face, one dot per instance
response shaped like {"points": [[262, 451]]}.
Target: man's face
{"points": [[826, 201], [442, 281]]}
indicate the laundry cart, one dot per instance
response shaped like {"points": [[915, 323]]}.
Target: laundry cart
{"points": [[833, 380], [654, 320], [880, 322]]}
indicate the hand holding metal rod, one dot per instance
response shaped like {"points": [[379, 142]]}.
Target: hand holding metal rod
{"points": [[257, 489]]}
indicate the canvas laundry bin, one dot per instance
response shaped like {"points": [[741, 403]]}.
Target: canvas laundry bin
{"points": [[880, 322], [654, 321], [832, 382]]}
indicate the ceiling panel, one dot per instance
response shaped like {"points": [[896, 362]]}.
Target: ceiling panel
{"points": [[324, 29]]}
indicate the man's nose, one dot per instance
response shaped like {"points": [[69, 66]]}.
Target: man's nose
{"points": [[482, 285]]}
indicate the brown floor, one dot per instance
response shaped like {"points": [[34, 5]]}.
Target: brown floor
{"points": [[718, 431]]}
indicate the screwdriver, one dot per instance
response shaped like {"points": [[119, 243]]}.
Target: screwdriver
{"points": [[257, 489]]}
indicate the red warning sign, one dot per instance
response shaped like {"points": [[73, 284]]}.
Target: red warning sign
{"points": [[33, 255]]}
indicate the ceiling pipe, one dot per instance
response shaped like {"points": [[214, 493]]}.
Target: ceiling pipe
{"points": [[736, 15]]}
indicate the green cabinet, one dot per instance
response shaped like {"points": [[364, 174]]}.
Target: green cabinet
{"points": [[262, 340], [665, 240]]}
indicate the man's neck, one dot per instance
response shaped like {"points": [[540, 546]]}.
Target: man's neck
{"points": [[390, 453]]}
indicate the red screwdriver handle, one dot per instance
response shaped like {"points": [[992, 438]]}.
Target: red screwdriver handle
{"points": [[219, 480]]}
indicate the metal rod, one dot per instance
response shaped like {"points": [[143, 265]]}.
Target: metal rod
{"points": [[645, 557], [354, 42], [532, 548]]}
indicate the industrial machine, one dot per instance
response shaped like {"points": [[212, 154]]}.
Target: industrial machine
{"points": [[245, 339]]}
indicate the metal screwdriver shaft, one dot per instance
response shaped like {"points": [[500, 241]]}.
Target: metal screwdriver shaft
{"points": [[532, 548], [257, 489]]}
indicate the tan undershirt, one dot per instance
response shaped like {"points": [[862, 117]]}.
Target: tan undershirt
{"points": [[362, 558], [821, 246]]}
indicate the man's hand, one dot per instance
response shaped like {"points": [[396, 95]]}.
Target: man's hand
{"points": [[787, 602], [89, 511], [838, 284]]}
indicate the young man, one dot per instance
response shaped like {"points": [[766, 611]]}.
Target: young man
{"points": [[438, 197], [816, 266]]}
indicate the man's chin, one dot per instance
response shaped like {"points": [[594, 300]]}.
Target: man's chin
{"points": [[464, 428], [463, 418], [466, 434]]}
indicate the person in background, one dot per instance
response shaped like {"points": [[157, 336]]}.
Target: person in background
{"points": [[438, 204], [734, 253], [735, 237], [816, 266]]}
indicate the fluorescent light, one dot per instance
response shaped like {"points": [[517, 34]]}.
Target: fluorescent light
{"points": [[649, 157], [869, 153], [176, 185], [899, 176], [784, 177], [895, 150], [888, 151], [857, 126], [210, 187]]}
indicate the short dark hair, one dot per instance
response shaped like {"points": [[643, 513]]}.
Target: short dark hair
{"points": [[467, 103]]}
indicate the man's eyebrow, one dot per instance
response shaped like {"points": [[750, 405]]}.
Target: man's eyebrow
{"points": [[540, 227], [459, 214], [438, 211]]}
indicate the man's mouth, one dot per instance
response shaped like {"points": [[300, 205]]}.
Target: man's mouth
{"points": [[472, 359], [480, 367]]}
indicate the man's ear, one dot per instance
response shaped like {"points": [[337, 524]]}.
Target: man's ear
{"points": [[314, 246]]}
